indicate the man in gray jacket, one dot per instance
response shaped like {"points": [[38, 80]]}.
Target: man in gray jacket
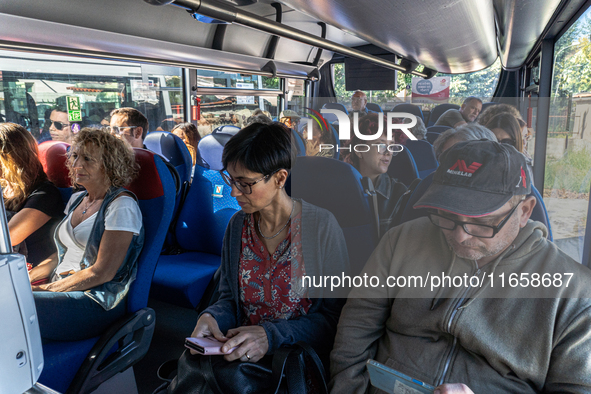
{"points": [[473, 298]]}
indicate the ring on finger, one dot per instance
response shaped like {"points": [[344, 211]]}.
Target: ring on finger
{"points": [[247, 356]]}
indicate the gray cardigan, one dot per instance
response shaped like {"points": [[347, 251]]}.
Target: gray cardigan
{"points": [[325, 253]]}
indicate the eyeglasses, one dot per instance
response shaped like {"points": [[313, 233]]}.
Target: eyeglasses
{"points": [[58, 125], [243, 187], [473, 229], [357, 99], [117, 130]]}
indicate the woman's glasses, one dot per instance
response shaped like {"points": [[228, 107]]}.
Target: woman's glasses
{"points": [[244, 187]]}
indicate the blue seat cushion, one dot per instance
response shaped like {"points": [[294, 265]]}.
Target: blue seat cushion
{"points": [[62, 361], [181, 279]]}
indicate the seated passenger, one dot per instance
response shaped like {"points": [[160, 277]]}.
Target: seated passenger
{"points": [[61, 129], [258, 116], [481, 338], [190, 136], [98, 243], [130, 124], [495, 110], [34, 204], [508, 131], [290, 118], [268, 246], [467, 113], [468, 132], [419, 130], [358, 104], [374, 165], [320, 136]]}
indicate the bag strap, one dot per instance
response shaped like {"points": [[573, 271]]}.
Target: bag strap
{"points": [[293, 358], [207, 371]]}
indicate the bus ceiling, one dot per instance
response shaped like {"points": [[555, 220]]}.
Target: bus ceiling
{"points": [[449, 36]]}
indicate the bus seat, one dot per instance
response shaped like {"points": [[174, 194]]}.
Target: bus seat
{"points": [[539, 213], [226, 129], [181, 279], [424, 156], [299, 143], [410, 109], [332, 117], [336, 140], [437, 129], [432, 137], [438, 111], [210, 149], [81, 366], [403, 167], [373, 107], [336, 186], [53, 157], [174, 150], [486, 105]]}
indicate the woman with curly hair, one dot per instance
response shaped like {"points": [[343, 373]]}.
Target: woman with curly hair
{"points": [[33, 204], [98, 242]]}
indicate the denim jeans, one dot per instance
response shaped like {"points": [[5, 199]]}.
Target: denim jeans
{"points": [[73, 316]]}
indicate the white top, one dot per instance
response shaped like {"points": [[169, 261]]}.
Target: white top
{"points": [[123, 214]]}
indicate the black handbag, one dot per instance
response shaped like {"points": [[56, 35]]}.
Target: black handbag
{"points": [[295, 369]]}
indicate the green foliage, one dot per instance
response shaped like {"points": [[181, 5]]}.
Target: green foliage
{"points": [[572, 59], [569, 172]]}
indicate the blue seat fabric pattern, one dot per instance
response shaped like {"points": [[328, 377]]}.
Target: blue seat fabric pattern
{"points": [[403, 167], [424, 156], [438, 111], [336, 186], [411, 109]]}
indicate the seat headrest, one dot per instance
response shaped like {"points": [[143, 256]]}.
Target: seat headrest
{"points": [[211, 148], [147, 185], [173, 149], [226, 129], [53, 157]]}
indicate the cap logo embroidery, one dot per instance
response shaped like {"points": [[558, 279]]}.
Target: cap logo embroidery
{"points": [[462, 169], [523, 179]]}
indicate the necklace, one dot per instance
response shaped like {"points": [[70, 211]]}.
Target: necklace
{"points": [[88, 207], [284, 226]]}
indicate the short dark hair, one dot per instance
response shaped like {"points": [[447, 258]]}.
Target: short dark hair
{"points": [[133, 117], [262, 148], [470, 98]]}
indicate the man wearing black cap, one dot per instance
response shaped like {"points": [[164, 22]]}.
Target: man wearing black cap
{"points": [[473, 298]]}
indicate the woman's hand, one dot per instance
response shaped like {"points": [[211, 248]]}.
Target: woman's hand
{"points": [[207, 326], [251, 341]]}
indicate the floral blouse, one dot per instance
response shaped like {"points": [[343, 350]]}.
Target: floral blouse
{"points": [[269, 283]]}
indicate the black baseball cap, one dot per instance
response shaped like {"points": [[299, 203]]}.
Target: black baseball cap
{"points": [[476, 178]]}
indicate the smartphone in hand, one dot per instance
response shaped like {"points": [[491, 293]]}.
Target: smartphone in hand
{"points": [[206, 345]]}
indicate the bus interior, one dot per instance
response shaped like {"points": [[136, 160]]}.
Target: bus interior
{"points": [[214, 62]]}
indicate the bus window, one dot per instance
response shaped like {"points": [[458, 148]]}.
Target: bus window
{"points": [[231, 98], [568, 152], [480, 84], [33, 85]]}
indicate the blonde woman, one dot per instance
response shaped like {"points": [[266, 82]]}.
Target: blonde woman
{"points": [[34, 204], [98, 242]]}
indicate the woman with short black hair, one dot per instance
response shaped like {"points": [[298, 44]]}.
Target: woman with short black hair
{"points": [[268, 246]]}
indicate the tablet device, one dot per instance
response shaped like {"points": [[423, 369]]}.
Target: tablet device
{"points": [[392, 381], [207, 345]]}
